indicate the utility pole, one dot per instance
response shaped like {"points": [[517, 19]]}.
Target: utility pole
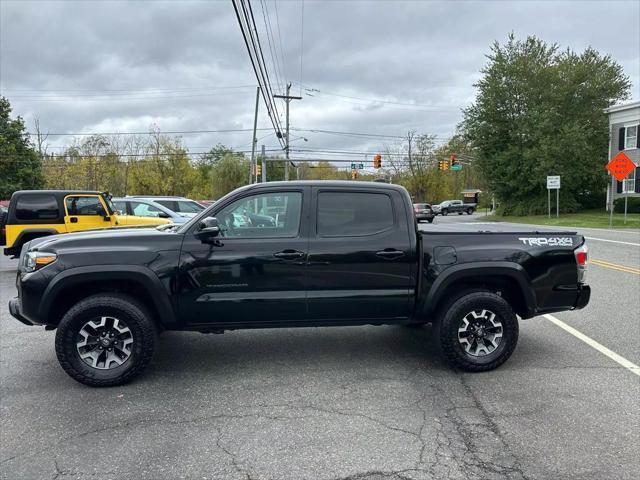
{"points": [[255, 140], [264, 166], [287, 99]]}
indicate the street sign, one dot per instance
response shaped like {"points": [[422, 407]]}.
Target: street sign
{"points": [[357, 166], [553, 182], [620, 166], [456, 168]]}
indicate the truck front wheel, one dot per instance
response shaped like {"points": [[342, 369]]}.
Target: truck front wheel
{"points": [[478, 332], [105, 340]]}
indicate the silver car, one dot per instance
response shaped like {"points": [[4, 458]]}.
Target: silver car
{"points": [[147, 208]]}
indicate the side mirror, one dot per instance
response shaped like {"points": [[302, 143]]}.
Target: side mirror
{"points": [[164, 215], [208, 227]]}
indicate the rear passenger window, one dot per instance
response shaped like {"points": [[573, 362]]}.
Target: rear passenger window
{"points": [[353, 214], [37, 207]]}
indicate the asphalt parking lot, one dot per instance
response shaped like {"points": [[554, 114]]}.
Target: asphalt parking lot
{"points": [[340, 403]]}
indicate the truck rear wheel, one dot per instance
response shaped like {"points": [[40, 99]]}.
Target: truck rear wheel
{"points": [[105, 340], [478, 332], [469, 211]]}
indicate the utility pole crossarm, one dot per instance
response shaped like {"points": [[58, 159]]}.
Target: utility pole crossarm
{"points": [[287, 98]]}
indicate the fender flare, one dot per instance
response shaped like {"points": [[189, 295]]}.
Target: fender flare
{"points": [[141, 275], [45, 232], [481, 269]]}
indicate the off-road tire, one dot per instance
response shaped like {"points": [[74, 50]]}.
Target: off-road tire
{"points": [[451, 316], [133, 313]]}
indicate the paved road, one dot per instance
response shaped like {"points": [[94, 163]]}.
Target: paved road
{"points": [[338, 403]]}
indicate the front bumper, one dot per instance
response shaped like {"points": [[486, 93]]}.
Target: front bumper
{"points": [[16, 311], [584, 294]]}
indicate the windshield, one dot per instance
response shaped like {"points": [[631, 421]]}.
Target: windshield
{"points": [[107, 199], [181, 206]]}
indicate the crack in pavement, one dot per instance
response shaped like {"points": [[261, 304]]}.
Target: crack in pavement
{"points": [[59, 472], [456, 449]]}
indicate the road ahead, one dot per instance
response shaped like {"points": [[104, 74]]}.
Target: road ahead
{"points": [[340, 403]]}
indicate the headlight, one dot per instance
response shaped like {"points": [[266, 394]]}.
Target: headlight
{"points": [[36, 260]]}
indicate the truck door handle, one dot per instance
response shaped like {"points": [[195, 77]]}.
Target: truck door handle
{"points": [[73, 220], [390, 253], [289, 254]]}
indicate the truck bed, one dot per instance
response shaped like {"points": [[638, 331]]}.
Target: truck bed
{"points": [[490, 227]]}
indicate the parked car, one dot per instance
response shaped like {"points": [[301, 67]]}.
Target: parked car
{"points": [[181, 205], [423, 211], [3, 221], [147, 208], [454, 206], [341, 253], [39, 213]]}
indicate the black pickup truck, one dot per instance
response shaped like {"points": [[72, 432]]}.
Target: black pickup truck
{"points": [[336, 253]]}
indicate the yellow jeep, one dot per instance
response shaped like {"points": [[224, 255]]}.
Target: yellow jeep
{"points": [[38, 213]]}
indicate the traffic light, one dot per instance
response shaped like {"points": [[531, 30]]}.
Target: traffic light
{"points": [[258, 170], [354, 174], [377, 160], [443, 165]]}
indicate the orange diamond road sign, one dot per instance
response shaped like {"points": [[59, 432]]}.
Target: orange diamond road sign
{"points": [[620, 166]]}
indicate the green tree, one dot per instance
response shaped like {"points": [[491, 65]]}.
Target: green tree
{"points": [[228, 173], [540, 111], [20, 163]]}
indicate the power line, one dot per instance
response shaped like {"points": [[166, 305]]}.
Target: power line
{"points": [[127, 91], [379, 100], [175, 132], [272, 45], [119, 98], [228, 130], [258, 68], [348, 134], [284, 64]]}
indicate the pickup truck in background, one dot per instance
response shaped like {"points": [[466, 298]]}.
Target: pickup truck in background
{"points": [[339, 253], [454, 206]]}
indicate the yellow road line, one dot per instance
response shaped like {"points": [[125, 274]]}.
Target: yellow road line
{"points": [[615, 266]]}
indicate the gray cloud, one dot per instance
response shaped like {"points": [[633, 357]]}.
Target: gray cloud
{"points": [[181, 53]]}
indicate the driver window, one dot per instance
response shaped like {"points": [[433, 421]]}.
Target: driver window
{"points": [[269, 215], [144, 210], [82, 205]]}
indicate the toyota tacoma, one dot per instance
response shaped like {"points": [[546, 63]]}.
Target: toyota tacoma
{"points": [[333, 253]]}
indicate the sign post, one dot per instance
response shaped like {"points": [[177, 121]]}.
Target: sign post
{"points": [[620, 167], [553, 183]]}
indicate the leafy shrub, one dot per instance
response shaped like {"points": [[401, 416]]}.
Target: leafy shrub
{"points": [[632, 207]]}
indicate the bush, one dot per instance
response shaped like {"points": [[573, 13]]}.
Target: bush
{"points": [[537, 205], [632, 207]]}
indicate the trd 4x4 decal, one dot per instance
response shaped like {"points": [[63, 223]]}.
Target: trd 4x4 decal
{"points": [[547, 241]]}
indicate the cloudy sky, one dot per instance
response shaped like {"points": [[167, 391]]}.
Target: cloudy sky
{"points": [[374, 67]]}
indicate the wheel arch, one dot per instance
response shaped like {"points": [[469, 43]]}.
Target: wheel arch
{"points": [[510, 280], [29, 234], [71, 286]]}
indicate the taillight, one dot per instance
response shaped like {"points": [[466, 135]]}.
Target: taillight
{"points": [[582, 261]]}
